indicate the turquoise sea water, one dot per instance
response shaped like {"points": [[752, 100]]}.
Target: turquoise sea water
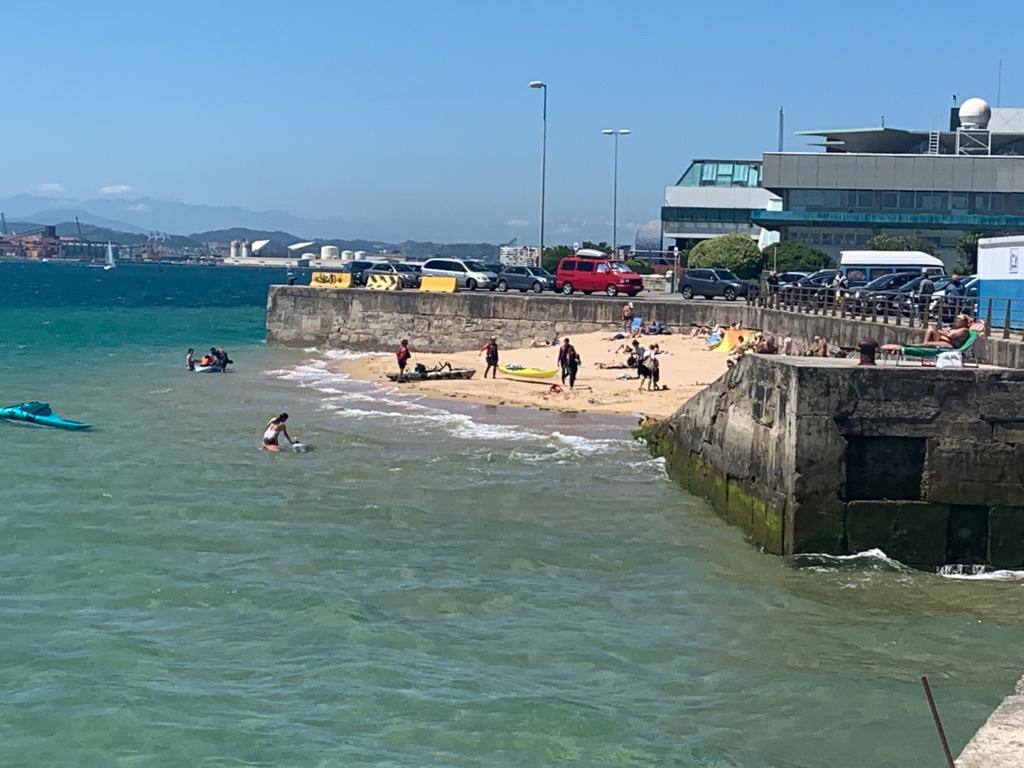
{"points": [[431, 586]]}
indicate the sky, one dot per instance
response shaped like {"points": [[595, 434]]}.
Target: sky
{"points": [[414, 119]]}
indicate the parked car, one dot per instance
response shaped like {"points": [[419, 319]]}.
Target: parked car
{"points": [[710, 283], [494, 266], [814, 287], [408, 276], [356, 269], [880, 291], [787, 279], [526, 279], [587, 274], [468, 274]]}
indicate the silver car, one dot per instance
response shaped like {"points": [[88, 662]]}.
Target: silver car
{"points": [[468, 274], [526, 279]]}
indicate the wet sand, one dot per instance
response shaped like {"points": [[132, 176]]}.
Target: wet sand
{"points": [[686, 368]]}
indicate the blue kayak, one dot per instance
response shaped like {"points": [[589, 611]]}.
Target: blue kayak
{"points": [[39, 413]]}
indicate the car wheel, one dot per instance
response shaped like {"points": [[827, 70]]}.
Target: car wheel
{"points": [[730, 294], [471, 284], [687, 292], [502, 286], [537, 287], [567, 289], [611, 290]]}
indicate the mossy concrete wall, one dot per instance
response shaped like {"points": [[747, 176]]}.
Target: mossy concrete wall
{"points": [[825, 456]]}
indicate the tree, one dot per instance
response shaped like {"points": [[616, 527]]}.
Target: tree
{"points": [[602, 246], [640, 267], [736, 252], [883, 241], [794, 256], [967, 252], [554, 255]]}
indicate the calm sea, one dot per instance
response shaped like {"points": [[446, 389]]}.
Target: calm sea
{"points": [[431, 586]]}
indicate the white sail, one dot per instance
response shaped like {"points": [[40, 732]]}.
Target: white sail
{"points": [[110, 263]]}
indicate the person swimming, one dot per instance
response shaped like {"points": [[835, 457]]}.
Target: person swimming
{"points": [[272, 434]]}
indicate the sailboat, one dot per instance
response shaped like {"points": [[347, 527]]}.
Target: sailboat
{"points": [[109, 263]]}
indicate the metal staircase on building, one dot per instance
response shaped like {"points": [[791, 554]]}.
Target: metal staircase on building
{"points": [[933, 142]]}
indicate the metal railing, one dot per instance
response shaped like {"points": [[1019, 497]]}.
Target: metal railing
{"points": [[1003, 317]]}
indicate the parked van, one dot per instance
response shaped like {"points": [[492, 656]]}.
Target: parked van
{"points": [[861, 267], [590, 270], [468, 274]]}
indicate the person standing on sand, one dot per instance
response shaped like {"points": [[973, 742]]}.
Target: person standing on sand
{"points": [[402, 354], [569, 361], [627, 317], [491, 351]]}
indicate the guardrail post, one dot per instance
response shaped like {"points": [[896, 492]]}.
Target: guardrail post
{"points": [[988, 319], [1006, 324]]}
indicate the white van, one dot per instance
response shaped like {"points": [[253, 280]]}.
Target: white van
{"points": [[861, 267]]}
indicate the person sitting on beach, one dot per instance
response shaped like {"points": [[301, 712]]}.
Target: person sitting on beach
{"points": [[954, 338], [742, 347], [402, 354], [766, 345], [491, 349]]}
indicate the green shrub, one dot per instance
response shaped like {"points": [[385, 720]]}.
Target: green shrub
{"points": [[640, 267], [736, 252]]}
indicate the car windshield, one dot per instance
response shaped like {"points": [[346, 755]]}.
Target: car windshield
{"points": [[538, 272], [885, 281], [475, 266], [403, 268], [725, 274], [620, 266]]}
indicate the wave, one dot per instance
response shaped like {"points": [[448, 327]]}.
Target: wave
{"points": [[980, 573], [360, 401], [870, 559]]}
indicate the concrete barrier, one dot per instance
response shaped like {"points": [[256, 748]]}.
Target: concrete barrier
{"points": [[330, 280], [383, 282], [435, 284]]}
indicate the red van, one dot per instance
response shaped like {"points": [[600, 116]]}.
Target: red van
{"points": [[587, 274]]}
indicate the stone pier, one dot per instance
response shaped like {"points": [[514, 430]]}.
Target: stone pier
{"points": [[812, 455]]}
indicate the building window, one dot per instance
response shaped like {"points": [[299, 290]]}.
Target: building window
{"points": [[958, 201], [865, 198], [907, 200], [890, 200]]}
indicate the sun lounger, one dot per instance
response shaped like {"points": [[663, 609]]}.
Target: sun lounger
{"points": [[925, 355]]}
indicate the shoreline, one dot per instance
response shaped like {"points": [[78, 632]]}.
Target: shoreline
{"points": [[687, 367]]}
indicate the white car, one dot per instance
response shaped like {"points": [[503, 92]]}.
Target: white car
{"points": [[468, 274]]}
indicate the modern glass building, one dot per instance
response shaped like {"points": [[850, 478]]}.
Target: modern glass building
{"points": [[714, 198], [935, 185]]}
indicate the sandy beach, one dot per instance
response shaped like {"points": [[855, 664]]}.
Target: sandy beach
{"points": [[686, 368]]}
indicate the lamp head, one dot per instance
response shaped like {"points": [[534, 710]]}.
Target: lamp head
{"points": [[607, 131], [624, 131], [538, 84]]}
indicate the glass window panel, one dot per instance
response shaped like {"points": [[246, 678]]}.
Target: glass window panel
{"points": [[866, 198], [831, 198], [906, 200], [958, 201], [890, 200]]}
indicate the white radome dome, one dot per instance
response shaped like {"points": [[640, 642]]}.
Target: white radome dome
{"points": [[975, 113]]}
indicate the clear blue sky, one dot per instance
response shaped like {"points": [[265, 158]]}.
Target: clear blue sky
{"points": [[417, 115]]}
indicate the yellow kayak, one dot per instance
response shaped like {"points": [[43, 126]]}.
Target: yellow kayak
{"points": [[529, 373]]}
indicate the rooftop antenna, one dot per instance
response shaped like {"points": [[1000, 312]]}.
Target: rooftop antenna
{"points": [[999, 85], [883, 121], [954, 99], [782, 122]]}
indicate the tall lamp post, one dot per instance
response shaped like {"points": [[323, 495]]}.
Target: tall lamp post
{"points": [[615, 187], [543, 164]]}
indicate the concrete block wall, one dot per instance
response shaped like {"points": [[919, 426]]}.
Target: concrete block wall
{"points": [[925, 464], [367, 320]]}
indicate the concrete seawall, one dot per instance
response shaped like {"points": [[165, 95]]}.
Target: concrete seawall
{"points": [[823, 456], [369, 320], [999, 743]]}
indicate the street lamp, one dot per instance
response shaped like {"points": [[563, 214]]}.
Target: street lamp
{"points": [[615, 187], [543, 164]]}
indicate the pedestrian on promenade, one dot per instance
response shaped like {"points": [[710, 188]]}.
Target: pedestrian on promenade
{"points": [[402, 354], [491, 351]]}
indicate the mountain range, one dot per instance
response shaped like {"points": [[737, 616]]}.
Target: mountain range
{"points": [[127, 221]]}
